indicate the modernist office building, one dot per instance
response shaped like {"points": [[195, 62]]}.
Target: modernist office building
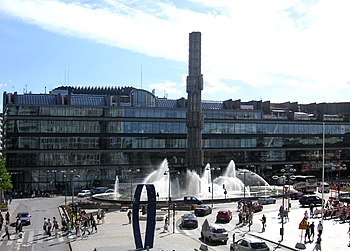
{"points": [[99, 133], [89, 135]]}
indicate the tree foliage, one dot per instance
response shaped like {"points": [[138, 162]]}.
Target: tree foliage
{"points": [[5, 177]]}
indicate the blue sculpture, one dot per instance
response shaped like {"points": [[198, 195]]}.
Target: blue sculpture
{"points": [[151, 216]]}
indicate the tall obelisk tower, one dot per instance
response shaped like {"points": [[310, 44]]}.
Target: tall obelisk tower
{"points": [[194, 116]]}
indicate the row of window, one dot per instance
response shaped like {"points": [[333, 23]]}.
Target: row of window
{"points": [[71, 126], [101, 159], [86, 143]]}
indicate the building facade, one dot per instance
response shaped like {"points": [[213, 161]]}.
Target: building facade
{"points": [[101, 133]]}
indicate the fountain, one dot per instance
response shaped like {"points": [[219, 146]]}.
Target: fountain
{"points": [[191, 183], [232, 181], [116, 188]]}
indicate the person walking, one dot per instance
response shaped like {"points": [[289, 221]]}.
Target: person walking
{"points": [[55, 228], [85, 227], [7, 232], [349, 235], [318, 244], [312, 230], [129, 216], [93, 223], [263, 221], [307, 232], [77, 229], [48, 227], [1, 221], [320, 228], [45, 226], [166, 224], [7, 217]]}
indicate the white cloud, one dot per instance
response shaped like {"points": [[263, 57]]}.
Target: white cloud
{"points": [[260, 43]]}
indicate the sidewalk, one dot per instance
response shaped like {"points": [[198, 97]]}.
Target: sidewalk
{"points": [[116, 234]]}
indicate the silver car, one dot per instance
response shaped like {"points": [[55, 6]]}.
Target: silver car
{"points": [[213, 233], [245, 244]]}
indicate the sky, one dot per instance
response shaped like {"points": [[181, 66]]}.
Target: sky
{"points": [[290, 50]]}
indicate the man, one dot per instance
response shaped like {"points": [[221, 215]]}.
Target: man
{"points": [[7, 233], [129, 216], [263, 221], [320, 228]]}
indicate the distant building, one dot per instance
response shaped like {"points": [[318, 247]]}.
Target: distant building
{"points": [[99, 133]]}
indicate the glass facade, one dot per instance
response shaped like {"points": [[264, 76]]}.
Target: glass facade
{"points": [[44, 142]]}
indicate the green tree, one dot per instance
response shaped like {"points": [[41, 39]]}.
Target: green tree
{"points": [[5, 179]]}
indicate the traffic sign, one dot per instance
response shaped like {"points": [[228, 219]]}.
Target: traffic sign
{"points": [[303, 224]]}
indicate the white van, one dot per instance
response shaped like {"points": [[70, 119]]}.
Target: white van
{"points": [[326, 187]]}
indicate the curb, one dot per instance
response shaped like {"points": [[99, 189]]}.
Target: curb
{"points": [[277, 243]]}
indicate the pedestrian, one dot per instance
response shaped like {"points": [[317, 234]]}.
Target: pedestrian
{"points": [[166, 224], [20, 229], [55, 227], [93, 223], [307, 232], [7, 217], [311, 210], [103, 215], [263, 221], [7, 233], [318, 244], [45, 226], [48, 227], [1, 221], [312, 230], [69, 227], [86, 227], [320, 228], [77, 229], [306, 216], [129, 216], [18, 221]]}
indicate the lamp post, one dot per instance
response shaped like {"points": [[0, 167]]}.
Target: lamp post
{"points": [[132, 172], [212, 183], [244, 172], [286, 176], [65, 186], [169, 190], [72, 184]]}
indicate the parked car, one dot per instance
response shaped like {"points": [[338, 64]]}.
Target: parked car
{"points": [[266, 200], [189, 221], [24, 217], [224, 216], [213, 233], [202, 210], [84, 193], [307, 200], [251, 244], [192, 200], [296, 195]]}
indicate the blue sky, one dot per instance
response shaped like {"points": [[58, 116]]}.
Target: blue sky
{"points": [[291, 50]]}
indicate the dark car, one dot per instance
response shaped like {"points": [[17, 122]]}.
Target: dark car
{"points": [[307, 200], [189, 221], [202, 210], [24, 217], [224, 216], [296, 195], [192, 200], [98, 190]]}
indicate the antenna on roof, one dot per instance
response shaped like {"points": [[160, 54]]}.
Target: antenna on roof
{"points": [[141, 76]]}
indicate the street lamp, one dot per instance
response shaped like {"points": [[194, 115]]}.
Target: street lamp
{"points": [[65, 186], [212, 183], [244, 172], [287, 176], [72, 184], [132, 172], [169, 190]]}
